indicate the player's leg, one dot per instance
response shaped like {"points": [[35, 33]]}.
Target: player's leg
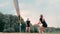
{"points": [[41, 29], [29, 29]]}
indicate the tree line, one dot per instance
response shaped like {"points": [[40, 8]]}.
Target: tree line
{"points": [[9, 23]]}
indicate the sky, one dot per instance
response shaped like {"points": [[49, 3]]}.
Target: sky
{"points": [[33, 8]]}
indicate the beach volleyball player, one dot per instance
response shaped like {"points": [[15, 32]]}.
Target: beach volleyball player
{"points": [[44, 24], [28, 25]]}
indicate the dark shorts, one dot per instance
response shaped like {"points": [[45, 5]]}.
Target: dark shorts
{"points": [[44, 25], [28, 26]]}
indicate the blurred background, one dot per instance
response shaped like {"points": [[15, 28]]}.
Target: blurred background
{"points": [[29, 9]]}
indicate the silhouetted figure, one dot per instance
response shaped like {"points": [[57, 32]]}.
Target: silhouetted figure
{"points": [[28, 25]]}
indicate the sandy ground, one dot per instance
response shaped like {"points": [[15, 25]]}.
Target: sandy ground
{"points": [[28, 33], [18, 33]]}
